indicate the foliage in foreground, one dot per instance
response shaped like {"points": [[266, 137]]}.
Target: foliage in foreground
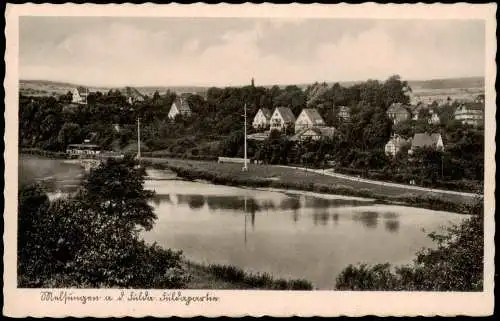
{"points": [[91, 239], [456, 264], [260, 280]]}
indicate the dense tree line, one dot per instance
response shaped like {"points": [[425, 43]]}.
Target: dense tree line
{"points": [[215, 128]]}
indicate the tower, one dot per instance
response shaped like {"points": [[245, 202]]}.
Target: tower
{"points": [[253, 82]]}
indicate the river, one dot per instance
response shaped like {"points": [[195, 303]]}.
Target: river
{"points": [[289, 234]]}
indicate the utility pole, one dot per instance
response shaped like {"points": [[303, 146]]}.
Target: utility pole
{"points": [[138, 140], [245, 167]]}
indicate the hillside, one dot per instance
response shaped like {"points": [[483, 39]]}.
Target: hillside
{"points": [[466, 82]]}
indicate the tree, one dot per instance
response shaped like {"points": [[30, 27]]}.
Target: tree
{"points": [[91, 239], [69, 133], [116, 188]]}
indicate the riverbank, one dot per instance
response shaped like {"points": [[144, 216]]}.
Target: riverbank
{"points": [[289, 178], [228, 277]]}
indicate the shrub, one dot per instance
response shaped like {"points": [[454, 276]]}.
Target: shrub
{"points": [[455, 265], [91, 239]]}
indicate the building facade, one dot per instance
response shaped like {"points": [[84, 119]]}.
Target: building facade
{"points": [[180, 106], [309, 117], [282, 118], [262, 119], [344, 114], [80, 95], [470, 114], [398, 112], [394, 145]]}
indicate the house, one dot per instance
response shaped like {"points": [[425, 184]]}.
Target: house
{"points": [[398, 112], [470, 114], [132, 94], [314, 133], [434, 119], [418, 110], [309, 117], [422, 140], [282, 118], [394, 145], [344, 113], [262, 119], [80, 95], [180, 106]]}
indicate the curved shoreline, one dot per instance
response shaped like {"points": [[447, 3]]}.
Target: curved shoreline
{"points": [[190, 172]]}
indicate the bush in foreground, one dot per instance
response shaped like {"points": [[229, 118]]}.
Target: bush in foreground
{"points": [[456, 264], [91, 239]]}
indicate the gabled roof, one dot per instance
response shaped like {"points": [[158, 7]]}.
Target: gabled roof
{"points": [[397, 108], [82, 90], [425, 140], [313, 115], [182, 105], [320, 131], [286, 113], [266, 112], [131, 92]]}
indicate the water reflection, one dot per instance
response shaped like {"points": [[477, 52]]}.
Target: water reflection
{"points": [[290, 203], [232, 203], [321, 218], [161, 198], [335, 218], [392, 225], [368, 218], [196, 201], [390, 215], [317, 202]]}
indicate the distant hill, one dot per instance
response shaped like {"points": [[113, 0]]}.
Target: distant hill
{"points": [[466, 82], [45, 87]]}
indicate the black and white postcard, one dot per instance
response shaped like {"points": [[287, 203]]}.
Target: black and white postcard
{"points": [[232, 160]]}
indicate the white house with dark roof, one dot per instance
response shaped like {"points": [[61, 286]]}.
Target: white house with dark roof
{"points": [[309, 117], [394, 145], [470, 114], [80, 95], [180, 106], [282, 118], [262, 119]]}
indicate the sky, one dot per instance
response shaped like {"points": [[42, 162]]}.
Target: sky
{"points": [[175, 51]]}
